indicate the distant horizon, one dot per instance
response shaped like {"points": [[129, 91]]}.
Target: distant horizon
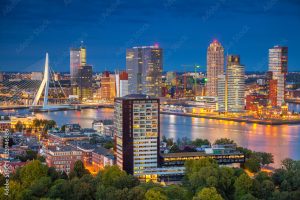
{"points": [[164, 72], [183, 28]]}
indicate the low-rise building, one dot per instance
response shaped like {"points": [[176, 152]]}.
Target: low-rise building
{"points": [[62, 158], [99, 125], [63, 138], [10, 167], [102, 157]]}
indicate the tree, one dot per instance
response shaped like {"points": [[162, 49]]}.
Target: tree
{"points": [[200, 142], [29, 155], [288, 164], [108, 145], [261, 176], [2, 179], [224, 141], [176, 192], [155, 194], [52, 173], [243, 185], [245, 151], [40, 186], [202, 173], [83, 188], [208, 194], [267, 188], [32, 171], [41, 158], [114, 176], [136, 193], [60, 189], [78, 170], [252, 165], [36, 123], [267, 158], [49, 124], [15, 191], [174, 149], [248, 196], [170, 142], [63, 128], [226, 182], [19, 126]]}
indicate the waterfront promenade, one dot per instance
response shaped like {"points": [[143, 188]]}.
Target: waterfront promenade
{"points": [[236, 119]]}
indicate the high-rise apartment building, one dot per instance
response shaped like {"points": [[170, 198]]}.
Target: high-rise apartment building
{"points": [[136, 124], [231, 87], [144, 66], [278, 65], [215, 67]]}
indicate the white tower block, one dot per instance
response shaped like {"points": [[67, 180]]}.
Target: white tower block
{"points": [[44, 85]]}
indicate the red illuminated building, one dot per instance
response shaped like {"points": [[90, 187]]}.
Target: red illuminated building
{"points": [[253, 101], [273, 92]]}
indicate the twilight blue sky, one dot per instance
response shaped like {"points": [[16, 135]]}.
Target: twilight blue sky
{"points": [[183, 28]]}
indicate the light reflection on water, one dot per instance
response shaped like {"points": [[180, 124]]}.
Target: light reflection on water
{"points": [[282, 141]]}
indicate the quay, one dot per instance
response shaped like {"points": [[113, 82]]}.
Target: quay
{"points": [[236, 119]]}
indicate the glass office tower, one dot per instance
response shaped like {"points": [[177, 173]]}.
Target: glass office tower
{"points": [[144, 66]]}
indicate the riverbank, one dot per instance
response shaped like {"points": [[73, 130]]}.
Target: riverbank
{"points": [[54, 108], [252, 121]]}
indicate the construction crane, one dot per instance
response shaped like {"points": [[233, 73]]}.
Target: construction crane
{"points": [[185, 78]]}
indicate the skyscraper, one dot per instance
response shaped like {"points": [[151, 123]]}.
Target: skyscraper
{"points": [[278, 65], [222, 93], [136, 125], [235, 74], [215, 66], [231, 86], [77, 59], [84, 82], [144, 66]]}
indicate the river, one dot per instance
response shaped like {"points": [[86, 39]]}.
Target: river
{"points": [[282, 141]]}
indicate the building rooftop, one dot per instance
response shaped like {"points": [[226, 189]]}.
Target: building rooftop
{"points": [[155, 46], [192, 154], [103, 151], [61, 148], [136, 96], [67, 135]]}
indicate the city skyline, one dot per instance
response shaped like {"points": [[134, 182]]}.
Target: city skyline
{"points": [[183, 30]]}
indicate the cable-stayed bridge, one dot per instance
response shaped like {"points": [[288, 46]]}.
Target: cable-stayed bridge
{"points": [[45, 95]]}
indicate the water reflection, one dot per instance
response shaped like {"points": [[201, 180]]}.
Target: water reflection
{"points": [[282, 141]]}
